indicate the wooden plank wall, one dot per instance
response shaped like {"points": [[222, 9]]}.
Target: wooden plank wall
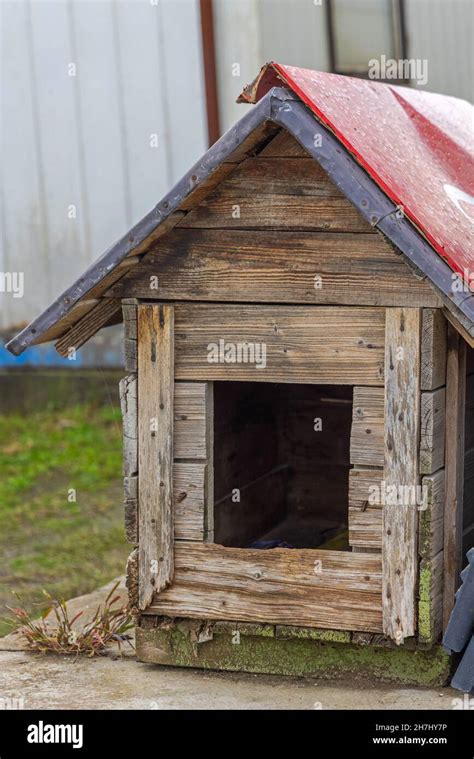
{"points": [[432, 454], [275, 230], [365, 519], [192, 480], [401, 469], [312, 344], [468, 505], [326, 589], [455, 465], [155, 327], [367, 457]]}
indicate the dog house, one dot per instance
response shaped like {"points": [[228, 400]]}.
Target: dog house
{"points": [[299, 332]]}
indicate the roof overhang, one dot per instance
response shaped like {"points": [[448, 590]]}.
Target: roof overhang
{"points": [[278, 108]]}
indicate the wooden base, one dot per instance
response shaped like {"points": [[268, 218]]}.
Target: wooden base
{"points": [[269, 649]]}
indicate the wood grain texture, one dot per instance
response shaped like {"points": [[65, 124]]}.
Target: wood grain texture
{"points": [[284, 145], [362, 483], [269, 177], [190, 433], [155, 447], [163, 229], [128, 391], [460, 329], [362, 518], [76, 313], [189, 498], [365, 528], [430, 605], [120, 270], [454, 467], [433, 349], [276, 267], [266, 192], [105, 312], [222, 210], [129, 315], [275, 586], [431, 519], [130, 502], [432, 430], [206, 187], [319, 345], [367, 433], [402, 424]]}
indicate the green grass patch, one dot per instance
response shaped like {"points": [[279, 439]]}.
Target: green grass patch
{"points": [[61, 523]]}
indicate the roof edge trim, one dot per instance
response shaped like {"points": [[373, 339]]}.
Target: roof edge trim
{"points": [[209, 162]]}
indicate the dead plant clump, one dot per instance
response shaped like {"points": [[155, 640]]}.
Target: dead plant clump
{"points": [[108, 625]]}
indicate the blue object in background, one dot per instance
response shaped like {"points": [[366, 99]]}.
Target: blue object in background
{"points": [[459, 633], [105, 350]]}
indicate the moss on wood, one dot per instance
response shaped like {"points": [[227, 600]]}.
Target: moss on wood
{"points": [[174, 644]]}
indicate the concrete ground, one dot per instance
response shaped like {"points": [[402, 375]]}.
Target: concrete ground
{"points": [[111, 682]]}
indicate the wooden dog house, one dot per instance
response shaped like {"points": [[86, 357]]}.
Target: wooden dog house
{"points": [[298, 457]]}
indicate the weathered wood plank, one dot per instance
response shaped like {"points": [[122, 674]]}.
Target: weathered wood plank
{"points": [[130, 502], [433, 349], [206, 187], [275, 267], [254, 143], [431, 524], [432, 430], [76, 313], [454, 467], [189, 499], [129, 406], [430, 617], [365, 528], [117, 273], [367, 433], [284, 145], [155, 448], [129, 314], [402, 423], [327, 589], [460, 329], [105, 312], [190, 424], [270, 176], [210, 472], [163, 229], [363, 520], [329, 345], [225, 210], [364, 484]]}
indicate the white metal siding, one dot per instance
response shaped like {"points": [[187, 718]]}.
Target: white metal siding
{"points": [[442, 31], [250, 33], [85, 140]]}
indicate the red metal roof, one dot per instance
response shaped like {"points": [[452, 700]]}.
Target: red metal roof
{"points": [[417, 146]]}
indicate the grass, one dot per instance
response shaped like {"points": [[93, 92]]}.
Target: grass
{"points": [[109, 624], [61, 523]]}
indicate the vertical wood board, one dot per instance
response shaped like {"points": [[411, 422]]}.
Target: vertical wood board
{"points": [[155, 448], [402, 423]]}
